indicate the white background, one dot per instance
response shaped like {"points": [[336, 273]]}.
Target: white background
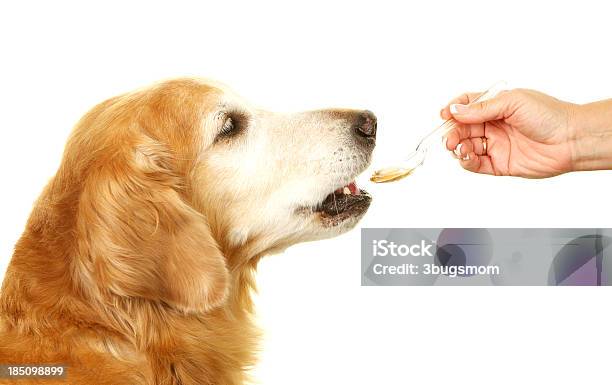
{"points": [[402, 61]]}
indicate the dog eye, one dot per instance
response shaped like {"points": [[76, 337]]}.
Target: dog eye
{"points": [[228, 128], [233, 124]]}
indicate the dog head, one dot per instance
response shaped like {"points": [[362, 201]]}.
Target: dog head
{"points": [[271, 180], [184, 181]]}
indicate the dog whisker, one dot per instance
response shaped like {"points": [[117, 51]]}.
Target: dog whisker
{"points": [[336, 205]]}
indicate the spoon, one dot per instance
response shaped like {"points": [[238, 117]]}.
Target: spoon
{"points": [[417, 158]]}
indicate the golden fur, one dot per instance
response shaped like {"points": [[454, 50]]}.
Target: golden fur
{"points": [[123, 273]]}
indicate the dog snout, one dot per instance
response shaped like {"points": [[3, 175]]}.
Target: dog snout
{"points": [[365, 125]]}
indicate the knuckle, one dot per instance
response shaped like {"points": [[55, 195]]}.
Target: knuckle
{"points": [[483, 106], [518, 93]]}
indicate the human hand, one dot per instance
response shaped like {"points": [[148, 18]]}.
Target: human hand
{"points": [[528, 134]]}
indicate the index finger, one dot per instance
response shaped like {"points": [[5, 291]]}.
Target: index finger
{"points": [[462, 131]]}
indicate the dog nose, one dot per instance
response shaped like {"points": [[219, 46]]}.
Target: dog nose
{"points": [[366, 125]]}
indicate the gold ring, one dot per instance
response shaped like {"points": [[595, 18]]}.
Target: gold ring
{"points": [[484, 145]]}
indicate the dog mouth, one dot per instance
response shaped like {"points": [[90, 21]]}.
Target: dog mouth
{"points": [[343, 203]]}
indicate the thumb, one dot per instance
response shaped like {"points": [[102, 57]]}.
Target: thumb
{"points": [[495, 108]]}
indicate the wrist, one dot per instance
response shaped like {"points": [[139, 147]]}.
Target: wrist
{"points": [[590, 127]]}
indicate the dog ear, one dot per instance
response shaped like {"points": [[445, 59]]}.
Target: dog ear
{"points": [[143, 240]]}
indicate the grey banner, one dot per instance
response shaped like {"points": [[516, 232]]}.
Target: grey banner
{"points": [[486, 257]]}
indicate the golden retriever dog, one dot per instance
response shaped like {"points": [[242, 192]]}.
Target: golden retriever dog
{"points": [[136, 265]]}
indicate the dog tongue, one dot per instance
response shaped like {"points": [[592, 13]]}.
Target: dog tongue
{"points": [[352, 188]]}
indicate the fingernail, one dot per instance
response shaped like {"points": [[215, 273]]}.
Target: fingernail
{"points": [[467, 157], [457, 150], [456, 109]]}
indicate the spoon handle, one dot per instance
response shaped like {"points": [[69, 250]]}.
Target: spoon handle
{"points": [[448, 124]]}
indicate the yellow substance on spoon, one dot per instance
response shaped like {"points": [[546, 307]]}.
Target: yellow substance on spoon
{"points": [[390, 174]]}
